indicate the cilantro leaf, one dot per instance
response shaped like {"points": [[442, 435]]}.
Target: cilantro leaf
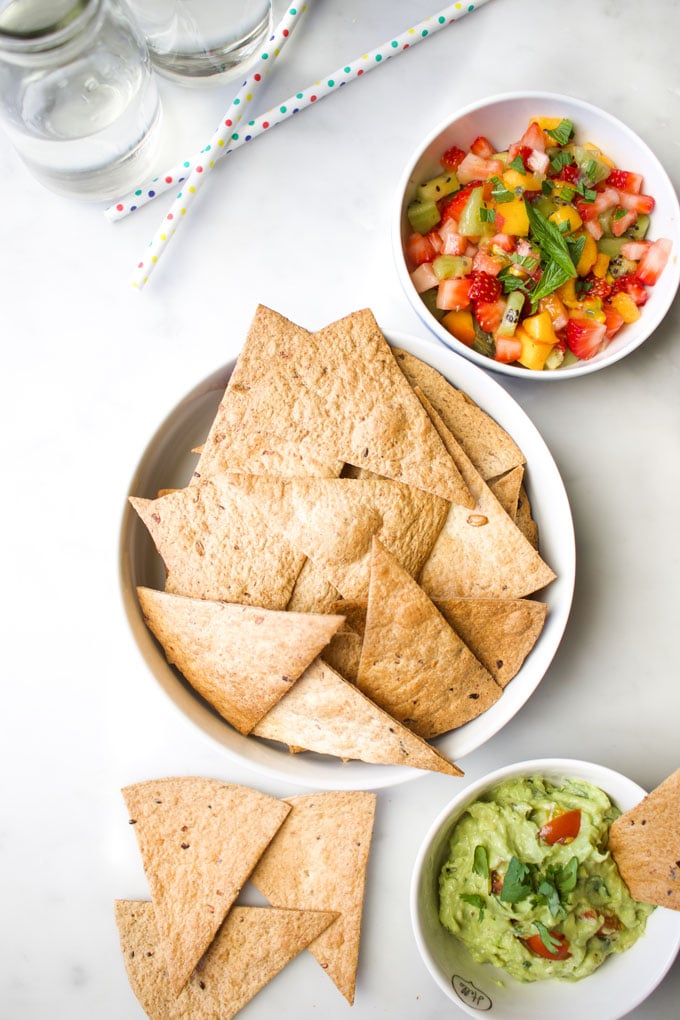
{"points": [[549, 893], [562, 133], [517, 882], [566, 877], [475, 901], [480, 864], [549, 941]]}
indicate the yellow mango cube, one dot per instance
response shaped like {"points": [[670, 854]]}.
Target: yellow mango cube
{"points": [[601, 265], [588, 256], [626, 307], [460, 324], [567, 293], [540, 328], [547, 123], [534, 355], [514, 179], [511, 218], [566, 214]]}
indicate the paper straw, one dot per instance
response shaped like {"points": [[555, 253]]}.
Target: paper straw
{"points": [[229, 140], [264, 63]]}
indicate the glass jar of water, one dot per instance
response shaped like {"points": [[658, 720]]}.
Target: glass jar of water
{"points": [[78, 99]]}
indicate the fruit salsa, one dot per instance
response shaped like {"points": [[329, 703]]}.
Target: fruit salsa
{"points": [[536, 255]]}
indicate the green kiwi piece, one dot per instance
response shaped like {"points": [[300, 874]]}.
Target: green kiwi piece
{"points": [[423, 216], [438, 187]]}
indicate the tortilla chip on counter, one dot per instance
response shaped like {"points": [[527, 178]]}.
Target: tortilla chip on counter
{"points": [[216, 544], [252, 946], [318, 861], [333, 521], [325, 713], [241, 659], [480, 553], [645, 843], [199, 840], [413, 665], [489, 447]]}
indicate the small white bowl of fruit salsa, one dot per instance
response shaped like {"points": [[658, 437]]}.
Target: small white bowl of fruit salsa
{"points": [[538, 236], [518, 907]]}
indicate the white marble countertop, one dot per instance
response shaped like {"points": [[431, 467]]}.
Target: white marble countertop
{"points": [[298, 221]]}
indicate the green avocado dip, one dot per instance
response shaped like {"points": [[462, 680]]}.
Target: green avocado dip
{"points": [[529, 884]]}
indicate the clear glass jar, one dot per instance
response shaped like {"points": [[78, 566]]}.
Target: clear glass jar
{"points": [[78, 99]]}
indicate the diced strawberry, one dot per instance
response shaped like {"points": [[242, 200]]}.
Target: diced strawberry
{"points": [[653, 261], [639, 203], [624, 180], [452, 158], [481, 146], [629, 283], [453, 243], [484, 286], [604, 200], [585, 336], [597, 287], [634, 250], [424, 277], [594, 228], [613, 320], [620, 224], [569, 173], [538, 161], [454, 293], [455, 205], [518, 149], [476, 168], [488, 264], [508, 349], [534, 137], [419, 249], [435, 240], [489, 314], [506, 242]]}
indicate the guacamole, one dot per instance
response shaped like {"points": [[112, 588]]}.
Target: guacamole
{"points": [[529, 884]]}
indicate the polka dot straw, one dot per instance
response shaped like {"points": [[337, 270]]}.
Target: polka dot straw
{"points": [[231, 136]]}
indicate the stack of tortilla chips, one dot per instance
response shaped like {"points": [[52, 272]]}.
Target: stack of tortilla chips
{"points": [[348, 571], [192, 950]]}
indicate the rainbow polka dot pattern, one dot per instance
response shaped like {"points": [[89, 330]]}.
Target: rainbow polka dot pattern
{"points": [[229, 137]]}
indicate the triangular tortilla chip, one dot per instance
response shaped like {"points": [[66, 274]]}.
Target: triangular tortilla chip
{"points": [[325, 713], [645, 843], [333, 520], [253, 945], [412, 663], [480, 553], [487, 444], [523, 519], [500, 632], [318, 861], [216, 544], [506, 488], [199, 840], [312, 593], [241, 659]]}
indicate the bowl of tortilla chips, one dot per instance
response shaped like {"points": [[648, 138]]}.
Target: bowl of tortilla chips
{"points": [[642, 841], [347, 558]]}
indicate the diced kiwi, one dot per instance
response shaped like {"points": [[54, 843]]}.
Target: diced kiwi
{"points": [[447, 266], [620, 265], [438, 187], [423, 216], [610, 246], [483, 343], [638, 230], [588, 163], [545, 205], [429, 299], [470, 223], [511, 314]]}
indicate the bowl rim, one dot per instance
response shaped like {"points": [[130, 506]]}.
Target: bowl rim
{"points": [[608, 357], [605, 777]]}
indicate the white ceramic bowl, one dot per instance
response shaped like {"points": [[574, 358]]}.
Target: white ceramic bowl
{"points": [[617, 987], [168, 463], [503, 118]]}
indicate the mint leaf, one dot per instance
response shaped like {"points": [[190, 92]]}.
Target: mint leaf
{"points": [[563, 132], [475, 901], [553, 277], [480, 863], [517, 882], [551, 242], [518, 164], [499, 192]]}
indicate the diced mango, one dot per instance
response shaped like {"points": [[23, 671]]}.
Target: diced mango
{"points": [[588, 256], [540, 328], [567, 293], [555, 308], [534, 355], [460, 324], [547, 123], [601, 265], [511, 218], [599, 153], [527, 182], [566, 214], [626, 307]]}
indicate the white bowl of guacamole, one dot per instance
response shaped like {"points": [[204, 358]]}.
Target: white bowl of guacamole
{"points": [[518, 908]]}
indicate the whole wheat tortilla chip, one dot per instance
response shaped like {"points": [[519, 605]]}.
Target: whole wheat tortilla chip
{"points": [[523, 518], [312, 593], [216, 544], [333, 521], [413, 664], [199, 840], [480, 553], [354, 612], [506, 488], [241, 659], [343, 654], [253, 945], [325, 713], [487, 444], [500, 632], [318, 861], [645, 843]]}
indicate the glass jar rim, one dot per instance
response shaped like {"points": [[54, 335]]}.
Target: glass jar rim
{"points": [[49, 31]]}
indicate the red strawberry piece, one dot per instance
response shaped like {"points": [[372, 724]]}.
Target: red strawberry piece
{"points": [[484, 287], [508, 349], [484, 262], [613, 320], [624, 180], [638, 203], [419, 249], [478, 168], [604, 200], [454, 207], [481, 146], [652, 263], [621, 223], [454, 293], [489, 314], [629, 283], [569, 173], [597, 287], [584, 337], [452, 158]]}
